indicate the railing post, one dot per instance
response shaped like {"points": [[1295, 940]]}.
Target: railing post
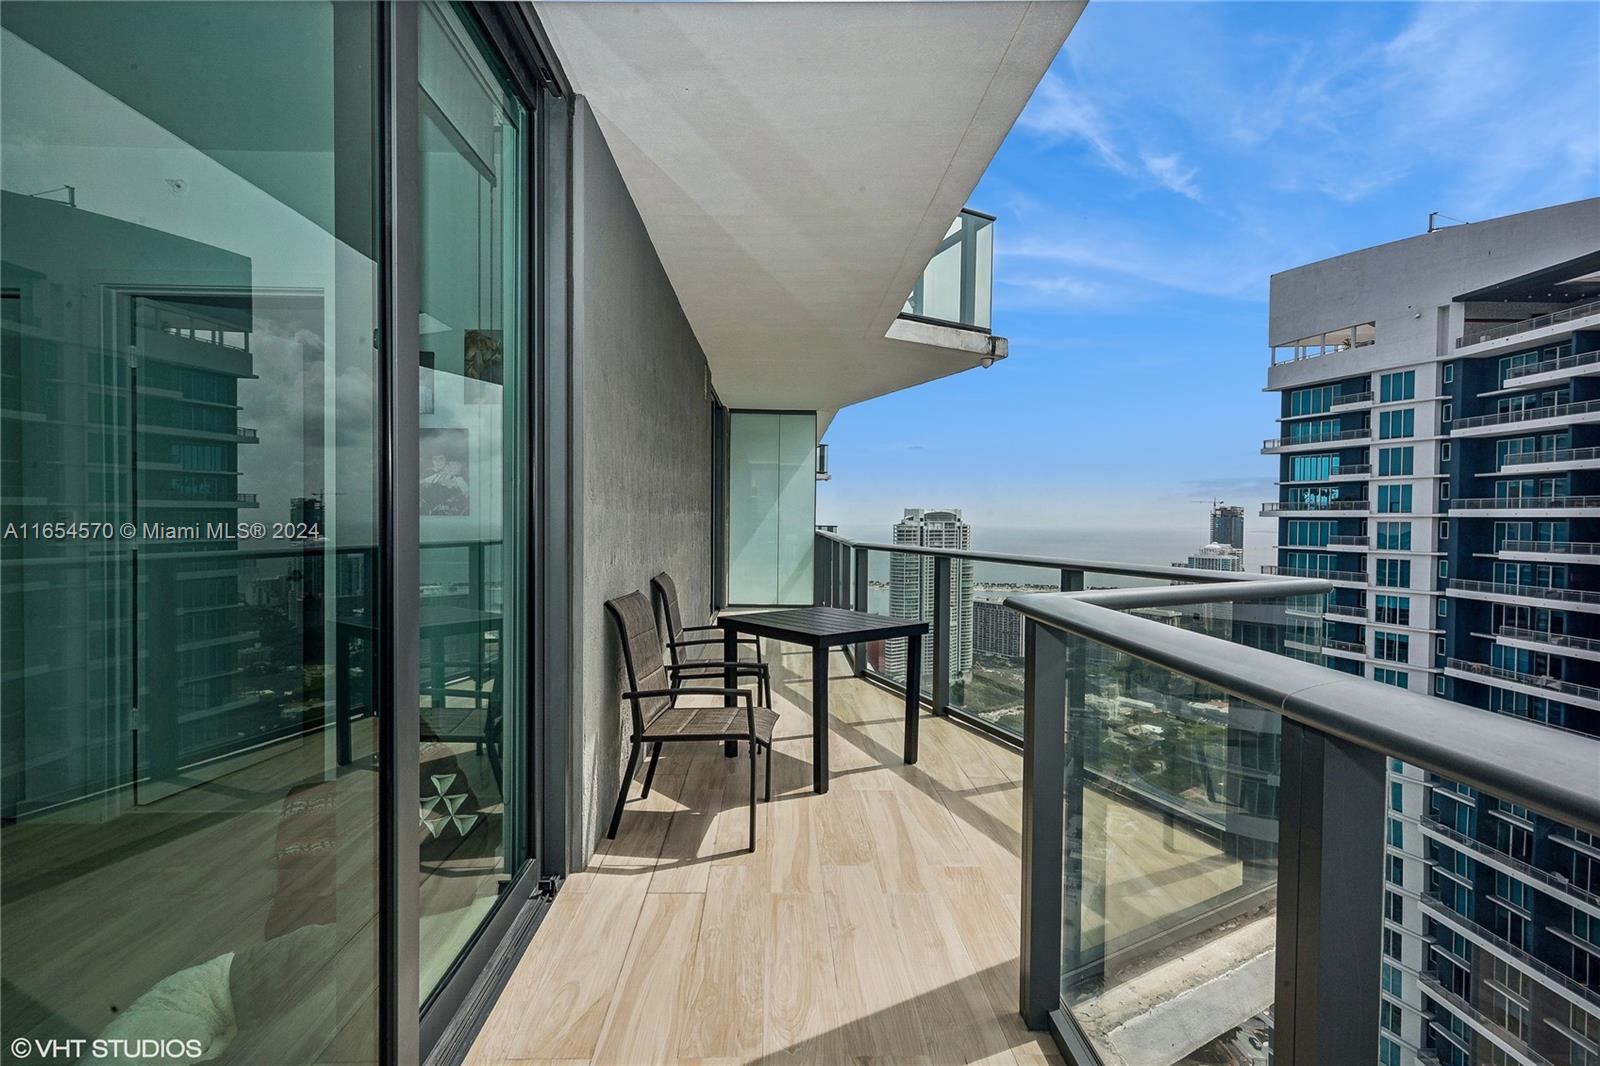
{"points": [[1071, 580], [941, 634], [860, 604], [1330, 899], [821, 569], [1043, 785]]}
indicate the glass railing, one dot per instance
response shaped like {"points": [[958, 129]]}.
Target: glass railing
{"points": [[1219, 852], [957, 287], [1206, 830]]}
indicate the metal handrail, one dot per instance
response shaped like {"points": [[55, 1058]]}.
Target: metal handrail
{"points": [[1512, 503], [1565, 362], [1349, 542], [1500, 588], [1345, 612], [1554, 640], [1511, 329], [1554, 455], [1542, 681], [1326, 575], [1345, 645], [1551, 547], [1278, 506], [1088, 566], [1318, 438], [1348, 398], [1528, 414], [1518, 760]]}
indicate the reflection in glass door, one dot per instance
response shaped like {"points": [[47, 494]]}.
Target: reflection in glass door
{"points": [[472, 420], [188, 775]]}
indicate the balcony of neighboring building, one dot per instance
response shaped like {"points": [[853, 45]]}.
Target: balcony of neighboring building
{"points": [[1314, 439], [1553, 416], [1523, 595], [1531, 506], [1546, 641], [1483, 336], [1554, 371], [1344, 472], [1339, 577], [1549, 460], [1315, 504], [1569, 552], [1539, 685]]}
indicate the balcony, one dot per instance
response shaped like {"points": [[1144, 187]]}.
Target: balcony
{"points": [[958, 909], [1552, 459], [1312, 440], [1314, 506], [957, 287], [1564, 551], [1339, 610], [1529, 418], [1346, 647], [1553, 370], [1512, 329], [1529, 684], [1348, 472], [1349, 542], [1526, 505], [1348, 577], [1534, 595], [1351, 399], [1543, 640]]}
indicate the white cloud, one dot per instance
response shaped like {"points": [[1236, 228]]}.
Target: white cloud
{"points": [[1057, 112]]}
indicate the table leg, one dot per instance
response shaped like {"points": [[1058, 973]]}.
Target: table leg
{"points": [[913, 694], [436, 653], [819, 720], [342, 699], [730, 681]]}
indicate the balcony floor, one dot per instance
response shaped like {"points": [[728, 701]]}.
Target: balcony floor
{"points": [[878, 922]]}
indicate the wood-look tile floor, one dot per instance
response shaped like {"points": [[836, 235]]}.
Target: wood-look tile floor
{"points": [[876, 924]]}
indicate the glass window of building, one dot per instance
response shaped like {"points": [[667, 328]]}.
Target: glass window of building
{"points": [[772, 506]]}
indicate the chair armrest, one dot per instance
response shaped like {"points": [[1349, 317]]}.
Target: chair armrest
{"points": [[699, 629], [718, 666], [712, 640], [647, 693]]}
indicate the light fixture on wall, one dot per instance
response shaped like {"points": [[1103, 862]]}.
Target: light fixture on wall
{"points": [[822, 463]]}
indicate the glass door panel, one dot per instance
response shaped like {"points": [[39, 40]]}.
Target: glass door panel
{"points": [[472, 422], [188, 777]]}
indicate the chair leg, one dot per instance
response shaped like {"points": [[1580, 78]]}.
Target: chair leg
{"points": [[769, 773], [650, 773], [753, 746], [622, 793]]}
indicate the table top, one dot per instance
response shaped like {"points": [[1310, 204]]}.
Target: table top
{"points": [[821, 627]]}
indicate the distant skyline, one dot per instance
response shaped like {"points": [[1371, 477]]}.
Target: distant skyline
{"points": [[1173, 158]]}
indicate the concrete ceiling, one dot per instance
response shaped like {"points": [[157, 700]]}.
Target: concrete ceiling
{"points": [[797, 164]]}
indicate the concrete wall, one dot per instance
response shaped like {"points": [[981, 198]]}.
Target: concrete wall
{"points": [[644, 450], [1402, 285]]}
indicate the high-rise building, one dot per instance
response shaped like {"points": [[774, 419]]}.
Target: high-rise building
{"points": [[1227, 525], [996, 630], [911, 584], [1439, 462], [1217, 557]]}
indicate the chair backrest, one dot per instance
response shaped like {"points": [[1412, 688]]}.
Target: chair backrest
{"points": [[641, 655], [664, 593]]}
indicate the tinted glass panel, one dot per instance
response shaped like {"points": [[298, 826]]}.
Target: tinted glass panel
{"points": [[189, 780]]}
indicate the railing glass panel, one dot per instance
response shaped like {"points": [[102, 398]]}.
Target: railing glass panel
{"points": [[1171, 856], [956, 287], [988, 684]]}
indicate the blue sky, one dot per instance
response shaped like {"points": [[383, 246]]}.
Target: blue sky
{"points": [[1175, 156]]}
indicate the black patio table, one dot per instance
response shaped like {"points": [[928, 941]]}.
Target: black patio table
{"points": [[821, 629]]}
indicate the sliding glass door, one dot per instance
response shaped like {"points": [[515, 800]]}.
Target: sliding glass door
{"points": [[189, 443], [473, 420]]}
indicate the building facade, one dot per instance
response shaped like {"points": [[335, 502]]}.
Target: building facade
{"points": [[1227, 525], [911, 583], [1438, 463], [997, 630]]}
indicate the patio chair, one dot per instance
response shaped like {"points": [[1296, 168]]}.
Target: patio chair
{"points": [[653, 691], [690, 647]]}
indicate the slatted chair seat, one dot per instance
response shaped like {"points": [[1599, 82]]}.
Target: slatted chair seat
{"points": [[654, 687]]}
